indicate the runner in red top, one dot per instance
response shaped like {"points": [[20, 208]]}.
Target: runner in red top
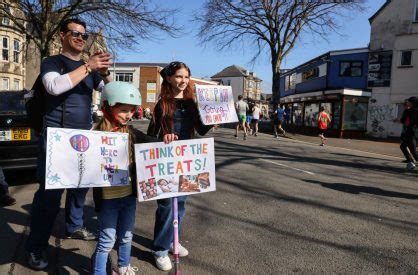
{"points": [[323, 120]]}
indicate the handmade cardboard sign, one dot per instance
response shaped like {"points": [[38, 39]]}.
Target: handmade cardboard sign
{"points": [[216, 104], [180, 168], [81, 158]]}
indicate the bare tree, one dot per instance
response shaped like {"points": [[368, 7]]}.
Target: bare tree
{"points": [[124, 22], [273, 24]]}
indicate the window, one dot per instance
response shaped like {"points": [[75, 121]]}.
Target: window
{"points": [[16, 84], [355, 114], [297, 115], [126, 77], [311, 114], [416, 10], [5, 20], [16, 50], [228, 82], [5, 48], [312, 73], [351, 68], [406, 58], [5, 84]]}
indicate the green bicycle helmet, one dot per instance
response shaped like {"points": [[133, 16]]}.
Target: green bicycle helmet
{"points": [[120, 92]]}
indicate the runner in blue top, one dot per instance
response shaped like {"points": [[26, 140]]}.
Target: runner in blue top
{"points": [[279, 114]]}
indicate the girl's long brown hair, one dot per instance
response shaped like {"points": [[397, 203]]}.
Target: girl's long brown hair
{"points": [[167, 101], [107, 126]]}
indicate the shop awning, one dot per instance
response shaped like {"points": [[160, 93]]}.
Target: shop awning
{"points": [[324, 94]]}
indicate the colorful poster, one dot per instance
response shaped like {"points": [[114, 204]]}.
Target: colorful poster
{"points": [[216, 104], [180, 168], [81, 158], [151, 92]]}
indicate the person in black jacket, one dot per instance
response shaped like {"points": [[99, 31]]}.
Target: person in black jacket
{"points": [[409, 120], [175, 117]]}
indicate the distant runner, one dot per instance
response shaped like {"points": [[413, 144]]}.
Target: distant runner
{"points": [[279, 114], [323, 120], [242, 108]]}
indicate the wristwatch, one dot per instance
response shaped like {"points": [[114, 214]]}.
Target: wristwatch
{"points": [[105, 74]]}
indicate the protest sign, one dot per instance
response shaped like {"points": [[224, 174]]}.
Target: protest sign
{"points": [[170, 170], [216, 104], [81, 158]]}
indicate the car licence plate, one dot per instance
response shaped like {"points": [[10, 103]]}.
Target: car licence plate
{"points": [[15, 134], [21, 134]]}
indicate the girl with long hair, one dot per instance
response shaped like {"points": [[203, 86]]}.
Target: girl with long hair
{"points": [[175, 117]]}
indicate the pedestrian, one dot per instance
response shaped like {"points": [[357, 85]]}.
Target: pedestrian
{"points": [[278, 121], [176, 116], [410, 120], [323, 120], [140, 113], [256, 118], [241, 106], [69, 84], [5, 198], [116, 205], [249, 117]]}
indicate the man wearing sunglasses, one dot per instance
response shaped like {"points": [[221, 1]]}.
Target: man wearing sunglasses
{"points": [[68, 83]]}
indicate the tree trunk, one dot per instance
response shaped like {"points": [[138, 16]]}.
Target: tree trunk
{"points": [[276, 81]]}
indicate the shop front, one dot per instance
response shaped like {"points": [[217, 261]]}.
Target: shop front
{"points": [[347, 108]]}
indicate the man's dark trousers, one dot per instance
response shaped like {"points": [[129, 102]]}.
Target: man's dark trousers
{"points": [[46, 206]]}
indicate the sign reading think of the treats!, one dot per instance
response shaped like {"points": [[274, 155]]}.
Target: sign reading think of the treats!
{"points": [[216, 104], [170, 170], [81, 158]]}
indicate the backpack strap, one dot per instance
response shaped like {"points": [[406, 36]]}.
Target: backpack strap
{"points": [[63, 70]]}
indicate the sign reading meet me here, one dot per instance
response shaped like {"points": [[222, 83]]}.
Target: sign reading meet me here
{"points": [[216, 104], [82, 158], [179, 168]]}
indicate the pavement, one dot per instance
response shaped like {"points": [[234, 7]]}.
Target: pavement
{"points": [[282, 205]]}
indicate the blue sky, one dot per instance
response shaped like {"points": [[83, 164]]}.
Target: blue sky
{"points": [[205, 61]]}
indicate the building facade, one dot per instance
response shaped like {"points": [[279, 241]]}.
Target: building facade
{"points": [[12, 65], [336, 80], [393, 65], [242, 82]]}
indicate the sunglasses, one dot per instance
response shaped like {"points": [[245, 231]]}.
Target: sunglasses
{"points": [[76, 34], [168, 70]]}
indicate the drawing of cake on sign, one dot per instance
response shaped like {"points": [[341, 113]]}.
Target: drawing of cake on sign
{"points": [[189, 183]]}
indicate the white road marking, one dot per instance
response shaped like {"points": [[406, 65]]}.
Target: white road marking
{"points": [[342, 148], [283, 165]]}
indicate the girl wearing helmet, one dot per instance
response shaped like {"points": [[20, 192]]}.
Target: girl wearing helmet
{"points": [[116, 206], [175, 117]]}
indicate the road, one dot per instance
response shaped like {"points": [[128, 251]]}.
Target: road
{"points": [[281, 206]]}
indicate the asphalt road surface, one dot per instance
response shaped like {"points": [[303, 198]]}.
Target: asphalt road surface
{"points": [[281, 206]]}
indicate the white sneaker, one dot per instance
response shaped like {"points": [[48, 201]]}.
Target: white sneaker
{"points": [[183, 252], [163, 263], [127, 270]]}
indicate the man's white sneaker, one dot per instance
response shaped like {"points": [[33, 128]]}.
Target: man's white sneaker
{"points": [[163, 263], [183, 252], [127, 270]]}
